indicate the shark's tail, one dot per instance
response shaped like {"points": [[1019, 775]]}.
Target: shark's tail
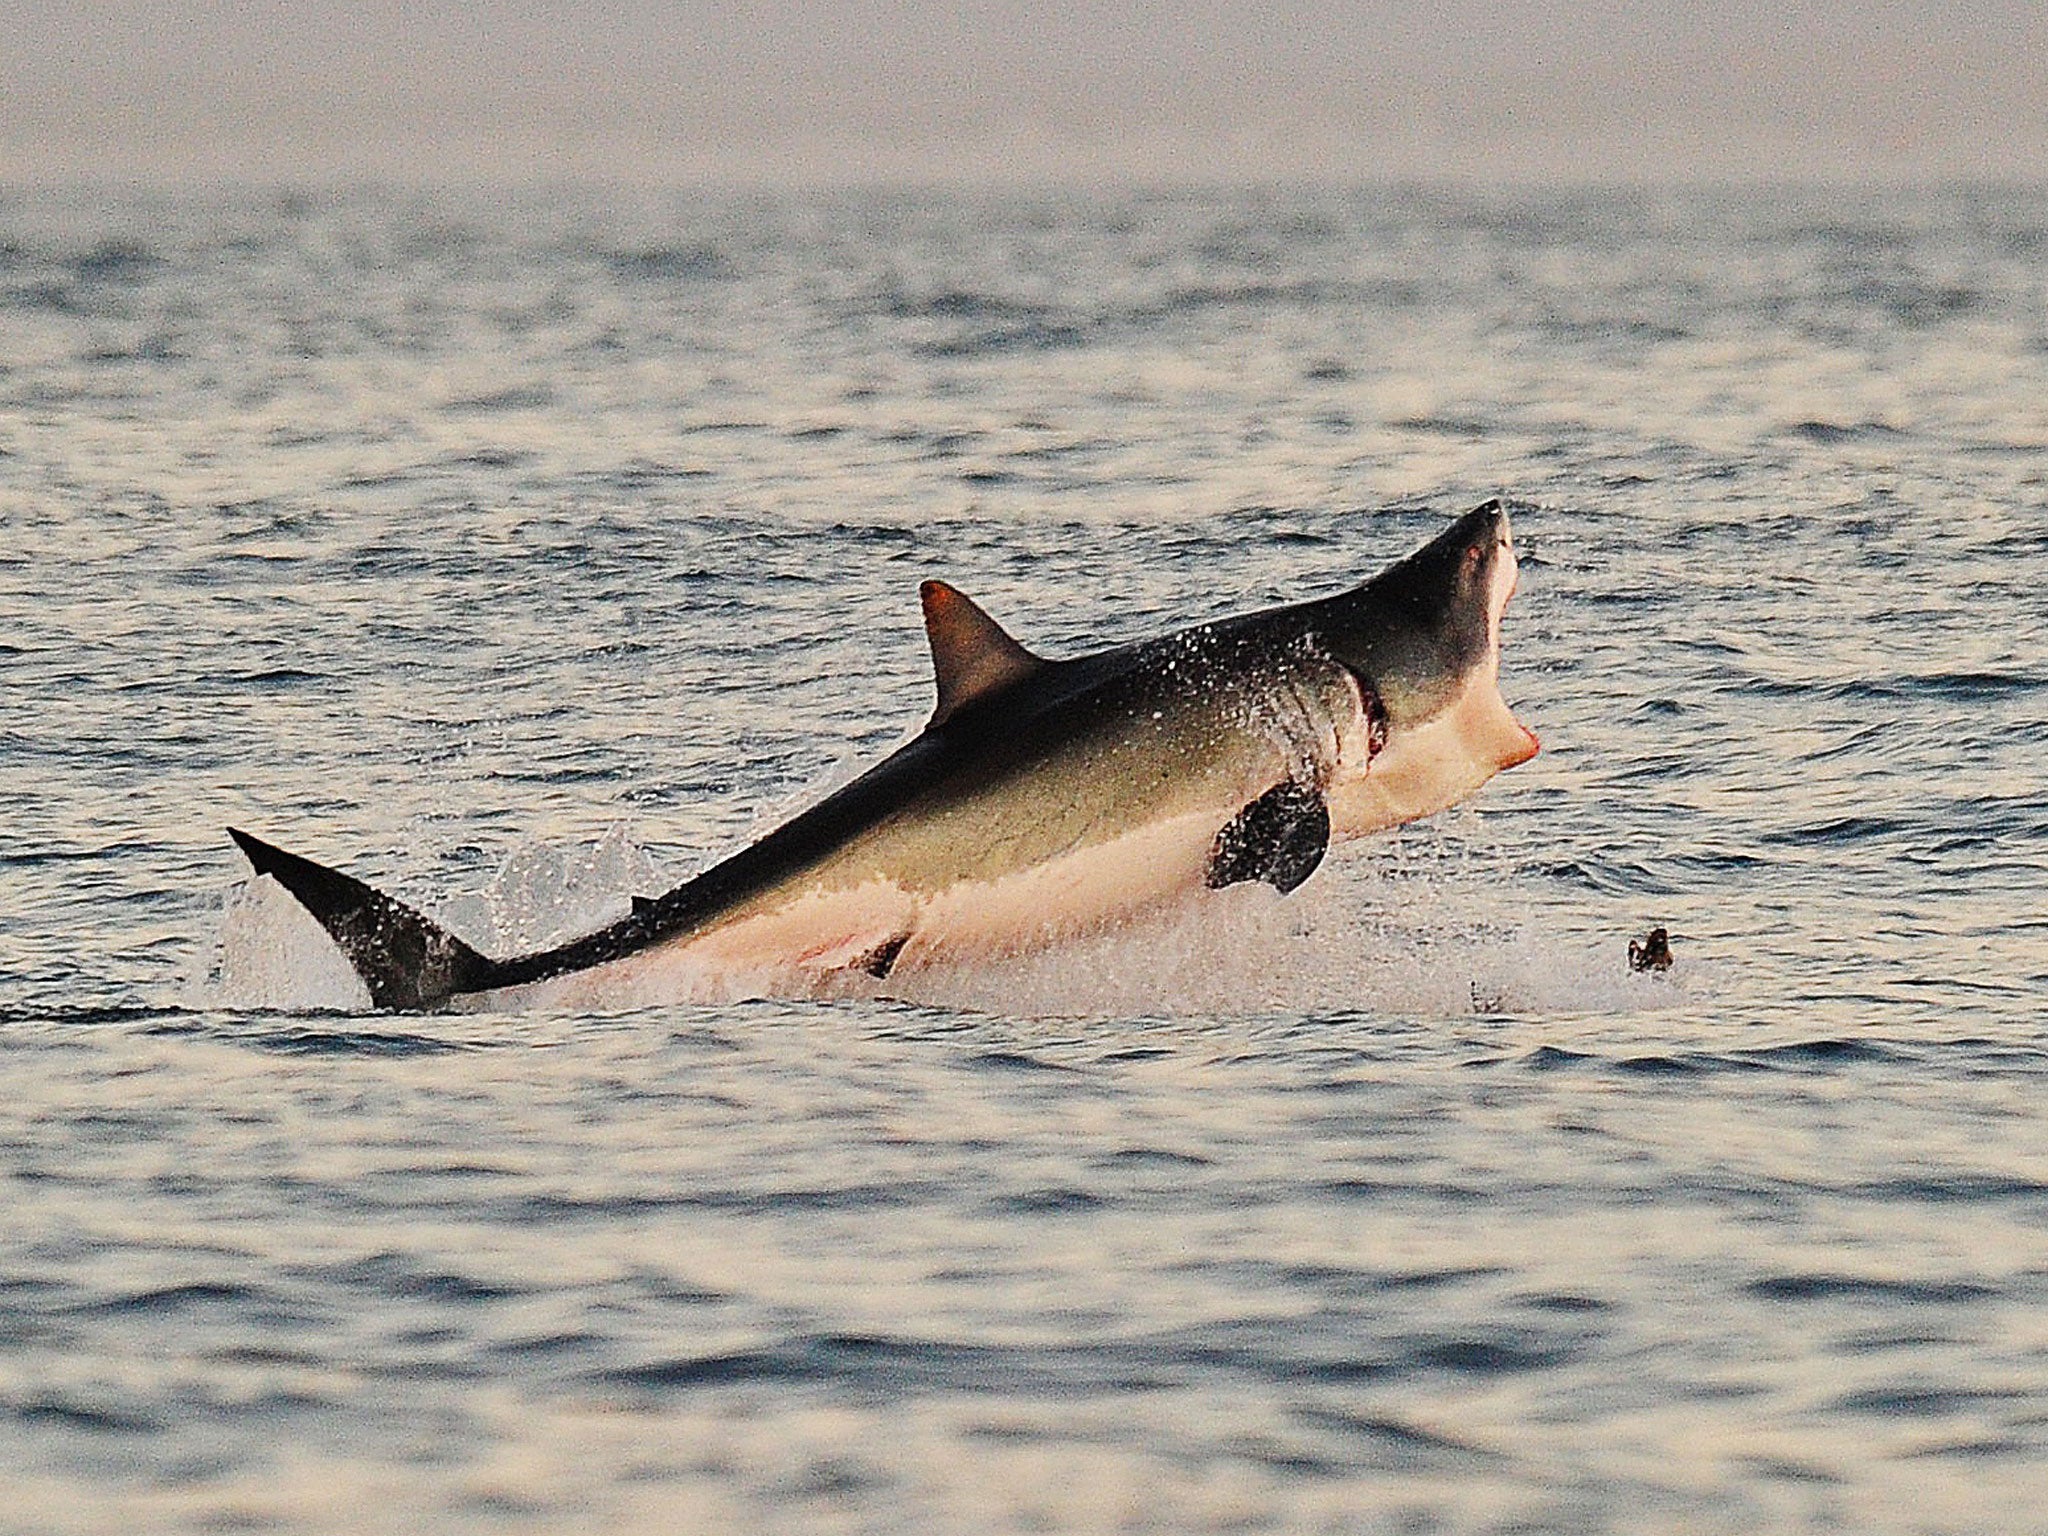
{"points": [[407, 962]]}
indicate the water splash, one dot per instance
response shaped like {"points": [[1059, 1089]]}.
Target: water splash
{"points": [[272, 955], [545, 894], [1355, 939], [1444, 938]]}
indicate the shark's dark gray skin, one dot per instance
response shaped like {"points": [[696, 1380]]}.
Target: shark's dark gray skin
{"points": [[1046, 798]]}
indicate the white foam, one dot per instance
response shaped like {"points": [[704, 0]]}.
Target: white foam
{"points": [[1352, 939], [273, 955]]}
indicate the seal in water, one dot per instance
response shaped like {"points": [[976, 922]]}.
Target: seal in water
{"points": [[1652, 952]]}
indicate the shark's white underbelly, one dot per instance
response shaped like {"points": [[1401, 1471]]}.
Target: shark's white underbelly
{"points": [[820, 932]]}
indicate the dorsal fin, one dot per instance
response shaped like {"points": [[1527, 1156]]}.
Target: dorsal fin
{"points": [[972, 655]]}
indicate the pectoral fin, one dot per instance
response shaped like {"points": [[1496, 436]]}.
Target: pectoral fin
{"points": [[1279, 838]]}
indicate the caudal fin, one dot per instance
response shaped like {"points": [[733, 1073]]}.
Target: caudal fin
{"points": [[407, 962]]}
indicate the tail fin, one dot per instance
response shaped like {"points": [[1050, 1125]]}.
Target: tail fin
{"points": [[407, 962]]}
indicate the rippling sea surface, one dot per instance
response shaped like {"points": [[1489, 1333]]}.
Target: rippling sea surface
{"points": [[518, 554]]}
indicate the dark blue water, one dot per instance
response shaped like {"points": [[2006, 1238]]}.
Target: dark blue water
{"points": [[518, 553]]}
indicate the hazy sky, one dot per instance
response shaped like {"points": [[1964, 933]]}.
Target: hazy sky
{"points": [[1022, 90]]}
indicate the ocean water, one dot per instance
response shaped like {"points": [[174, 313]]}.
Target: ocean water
{"points": [[518, 553]]}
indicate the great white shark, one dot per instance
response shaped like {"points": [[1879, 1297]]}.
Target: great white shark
{"points": [[1046, 799]]}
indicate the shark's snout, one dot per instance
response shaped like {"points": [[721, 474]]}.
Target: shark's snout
{"points": [[1489, 534], [1419, 626], [1485, 525]]}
